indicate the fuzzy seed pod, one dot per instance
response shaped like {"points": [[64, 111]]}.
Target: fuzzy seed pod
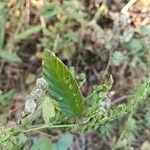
{"points": [[105, 105], [42, 84], [30, 106], [38, 94]]}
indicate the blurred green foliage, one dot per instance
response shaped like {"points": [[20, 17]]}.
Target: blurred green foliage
{"points": [[6, 98], [68, 29]]}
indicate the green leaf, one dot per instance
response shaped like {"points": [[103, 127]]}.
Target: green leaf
{"points": [[145, 30], [110, 81], [134, 45], [72, 71], [28, 32], [11, 57], [3, 18], [132, 125], [147, 117], [118, 58], [48, 109], [140, 90], [64, 143], [106, 128], [6, 98], [50, 10], [3, 119], [42, 143], [20, 140], [30, 78], [62, 85]]}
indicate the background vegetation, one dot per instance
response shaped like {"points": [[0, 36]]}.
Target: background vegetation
{"points": [[97, 38]]}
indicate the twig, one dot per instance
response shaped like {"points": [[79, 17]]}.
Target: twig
{"points": [[46, 134], [14, 110], [27, 12], [42, 23], [99, 11], [55, 43], [127, 6], [114, 41], [122, 98]]}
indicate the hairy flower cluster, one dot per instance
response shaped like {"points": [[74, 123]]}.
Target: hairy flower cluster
{"points": [[36, 95], [105, 105]]}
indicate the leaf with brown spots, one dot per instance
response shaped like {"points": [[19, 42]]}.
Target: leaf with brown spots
{"points": [[62, 85]]}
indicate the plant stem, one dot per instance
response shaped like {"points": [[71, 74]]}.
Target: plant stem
{"points": [[99, 11], [128, 5], [44, 126]]}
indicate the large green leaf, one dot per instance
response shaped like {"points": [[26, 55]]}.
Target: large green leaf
{"points": [[62, 85]]}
